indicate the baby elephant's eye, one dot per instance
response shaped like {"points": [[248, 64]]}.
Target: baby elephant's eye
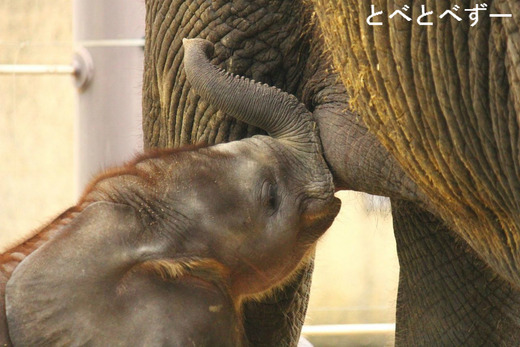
{"points": [[270, 196]]}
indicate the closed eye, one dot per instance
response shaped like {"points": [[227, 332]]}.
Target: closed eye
{"points": [[270, 196]]}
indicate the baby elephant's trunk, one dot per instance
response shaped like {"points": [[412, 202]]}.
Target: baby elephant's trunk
{"points": [[266, 107]]}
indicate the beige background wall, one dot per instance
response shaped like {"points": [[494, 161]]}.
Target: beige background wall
{"points": [[356, 272], [36, 115]]}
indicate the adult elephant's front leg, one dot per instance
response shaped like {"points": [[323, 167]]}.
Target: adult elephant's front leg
{"points": [[277, 320], [447, 296], [263, 40]]}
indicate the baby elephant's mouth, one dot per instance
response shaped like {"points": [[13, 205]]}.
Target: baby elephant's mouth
{"points": [[318, 217]]}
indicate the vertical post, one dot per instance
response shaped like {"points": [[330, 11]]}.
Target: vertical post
{"points": [[108, 122]]}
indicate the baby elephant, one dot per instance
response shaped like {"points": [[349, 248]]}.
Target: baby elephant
{"points": [[164, 250]]}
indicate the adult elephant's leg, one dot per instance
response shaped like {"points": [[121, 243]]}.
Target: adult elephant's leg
{"points": [[447, 296], [263, 40], [277, 320]]}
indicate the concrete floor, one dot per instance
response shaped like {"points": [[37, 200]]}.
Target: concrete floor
{"points": [[356, 272]]}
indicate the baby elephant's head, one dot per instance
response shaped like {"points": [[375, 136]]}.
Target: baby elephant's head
{"points": [[252, 206], [262, 201]]}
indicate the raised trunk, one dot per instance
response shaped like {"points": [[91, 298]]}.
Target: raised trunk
{"points": [[269, 108], [447, 296]]}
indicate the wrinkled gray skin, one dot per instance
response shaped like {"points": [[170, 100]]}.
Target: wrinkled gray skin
{"points": [[165, 250], [436, 131]]}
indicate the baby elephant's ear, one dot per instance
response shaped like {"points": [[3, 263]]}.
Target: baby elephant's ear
{"points": [[85, 287], [62, 293]]}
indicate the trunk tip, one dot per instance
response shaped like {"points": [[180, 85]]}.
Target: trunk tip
{"points": [[201, 44]]}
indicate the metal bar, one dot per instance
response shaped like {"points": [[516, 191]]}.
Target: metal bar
{"points": [[39, 69], [112, 43], [348, 329], [27, 69]]}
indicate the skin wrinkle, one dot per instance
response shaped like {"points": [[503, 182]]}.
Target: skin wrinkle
{"points": [[420, 68], [151, 99], [430, 168], [514, 100], [369, 61], [385, 122], [478, 103], [417, 32], [442, 141], [177, 107], [505, 151], [389, 65], [421, 65], [465, 152], [446, 168], [500, 93], [402, 54], [165, 79]]}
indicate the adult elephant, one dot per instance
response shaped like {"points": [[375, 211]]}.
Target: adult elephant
{"points": [[436, 129]]}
